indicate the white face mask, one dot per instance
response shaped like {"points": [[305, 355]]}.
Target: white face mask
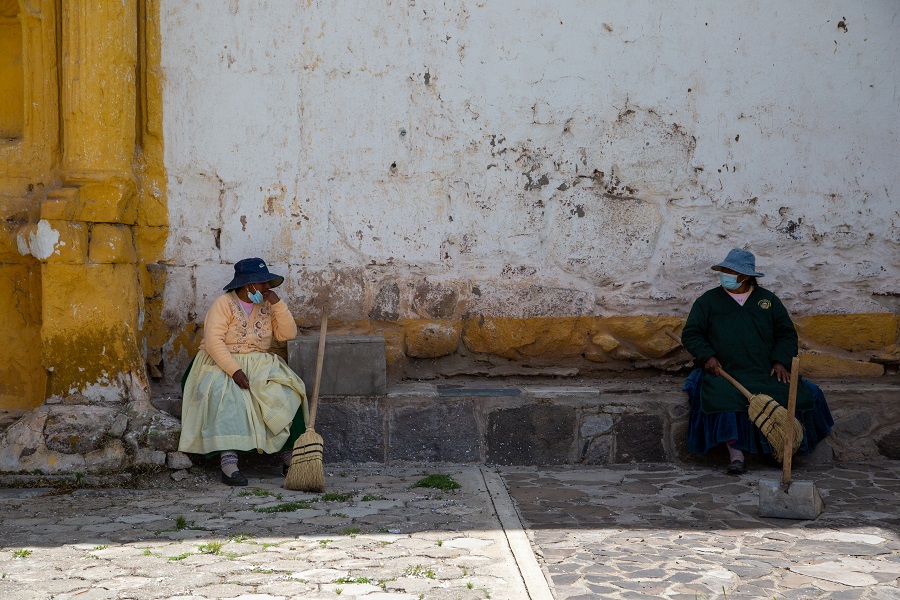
{"points": [[255, 297], [729, 281]]}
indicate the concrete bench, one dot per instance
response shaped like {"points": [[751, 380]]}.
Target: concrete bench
{"points": [[354, 365]]}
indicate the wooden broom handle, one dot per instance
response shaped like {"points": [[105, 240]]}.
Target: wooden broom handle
{"points": [[789, 431], [722, 372], [320, 358]]}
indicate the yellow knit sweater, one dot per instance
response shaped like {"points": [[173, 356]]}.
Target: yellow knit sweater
{"points": [[228, 330]]}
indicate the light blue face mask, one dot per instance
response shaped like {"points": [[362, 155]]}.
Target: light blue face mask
{"points": [[729, 281], [255, 297]]}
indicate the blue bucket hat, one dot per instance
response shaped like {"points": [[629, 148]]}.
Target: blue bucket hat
{"points": [[739, 261], [252, 270]]}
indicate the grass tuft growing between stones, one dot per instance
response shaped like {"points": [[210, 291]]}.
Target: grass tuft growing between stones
{"points": [[284, 507], [332, 497], [353, 580], [437, 482], [419, 571]]}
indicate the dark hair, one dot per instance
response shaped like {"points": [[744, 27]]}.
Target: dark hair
{"points": [[752, 281]]}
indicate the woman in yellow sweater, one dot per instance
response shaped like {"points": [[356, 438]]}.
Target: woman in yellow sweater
{"points": [[237, 395]]}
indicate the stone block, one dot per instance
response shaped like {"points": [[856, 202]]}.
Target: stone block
{"points": [[798, 500], [96, 307], [351, 431], [61, 204], [605, 342], [645, 332], [78, 429], [854, 332], [147, 457], [533, 434], [889, 444], [353, 365], [386, 305], [178, 460], [533, 337], [595, 425], [852, 423], [639, 438], [102, 202], [117, 429], [444, 431], [597, 451], [170, 404], [814, 366], [107, 202], [54, 241], [163, 432], [150, 243], [111, 243], [344, 286], [435, 300], [432, 339], [111, 457]]}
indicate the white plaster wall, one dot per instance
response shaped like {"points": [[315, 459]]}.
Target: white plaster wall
{"points": [[560, 158]]}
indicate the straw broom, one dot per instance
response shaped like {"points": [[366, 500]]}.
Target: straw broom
{"points": [[306, 473], [768, 415], [772, 419]]}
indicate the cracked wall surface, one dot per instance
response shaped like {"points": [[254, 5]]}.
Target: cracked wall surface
{"points": [[537, 170]]}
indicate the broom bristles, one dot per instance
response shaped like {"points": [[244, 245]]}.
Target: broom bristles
{"points": [[771, 419], [306, 473]]}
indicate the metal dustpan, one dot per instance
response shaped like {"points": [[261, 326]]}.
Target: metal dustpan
{"points": [[788, 499]]}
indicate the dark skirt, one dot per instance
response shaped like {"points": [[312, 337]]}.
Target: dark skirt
{"points": [[708, 430]]}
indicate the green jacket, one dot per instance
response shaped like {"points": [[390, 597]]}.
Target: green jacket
{"points": [[746, 340]]}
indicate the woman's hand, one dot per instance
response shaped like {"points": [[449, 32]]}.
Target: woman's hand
{"points": [[241, 379], [271, 297], [780, 373], [712, 366]]}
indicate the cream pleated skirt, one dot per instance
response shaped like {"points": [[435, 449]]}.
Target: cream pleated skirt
{"points": [[216, 414]]}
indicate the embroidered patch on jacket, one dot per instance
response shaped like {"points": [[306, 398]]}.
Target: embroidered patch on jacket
{"points": [[765, 304]]}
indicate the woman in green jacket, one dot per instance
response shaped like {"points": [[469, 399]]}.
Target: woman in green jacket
{"points": [[744, 329]]}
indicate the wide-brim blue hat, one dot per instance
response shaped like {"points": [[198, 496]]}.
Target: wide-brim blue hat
{"points": [[739, 261], [252, 270]]}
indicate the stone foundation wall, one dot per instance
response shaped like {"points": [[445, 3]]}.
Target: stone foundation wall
{"points": [[622, 421], [617, 422]]}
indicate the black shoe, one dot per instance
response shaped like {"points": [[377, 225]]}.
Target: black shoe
{"points": [[237, 478], [736, 467], [284, 469]]}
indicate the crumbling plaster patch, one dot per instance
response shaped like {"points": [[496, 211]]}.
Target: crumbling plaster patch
{"points": [[40, 241]]}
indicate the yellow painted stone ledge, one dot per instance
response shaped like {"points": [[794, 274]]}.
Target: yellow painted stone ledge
{"points": [[599, 339], [639, 340], [852, 333]]}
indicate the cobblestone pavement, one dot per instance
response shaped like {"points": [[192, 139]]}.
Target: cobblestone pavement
{"points": [[694, 533], [642, 531], [372, 536]]}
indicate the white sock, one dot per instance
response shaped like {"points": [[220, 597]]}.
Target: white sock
{"points": [[734, 454], [228, 460]]}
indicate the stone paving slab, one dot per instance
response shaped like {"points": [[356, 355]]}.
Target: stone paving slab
{"points": [[648, 531], [200, 539]]}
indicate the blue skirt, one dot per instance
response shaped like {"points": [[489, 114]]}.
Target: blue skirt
{"points": [[708, 430]]}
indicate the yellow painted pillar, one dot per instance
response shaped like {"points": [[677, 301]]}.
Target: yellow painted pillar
{"points": [[92, 300], [99, 57]]}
